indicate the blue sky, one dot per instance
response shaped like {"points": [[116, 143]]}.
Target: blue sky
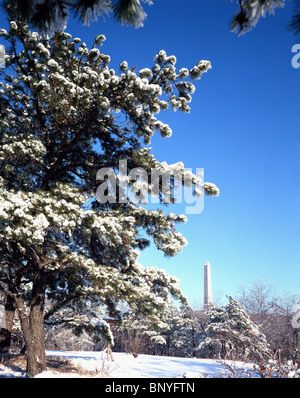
{"points": [[243, 130]]}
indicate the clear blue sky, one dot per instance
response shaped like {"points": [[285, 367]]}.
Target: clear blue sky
{"points": [[243, 130]]}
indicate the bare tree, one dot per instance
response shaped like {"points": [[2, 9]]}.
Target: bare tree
{"points": [[274, 314], [288, 333], [257, 298]]}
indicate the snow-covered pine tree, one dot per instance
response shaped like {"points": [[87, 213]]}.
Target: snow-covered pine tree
{"points": [[138, 335], [48, 16], [250, 11], [190, 330], [58, 127], [177, 333], [181, 335], [230, 333]]}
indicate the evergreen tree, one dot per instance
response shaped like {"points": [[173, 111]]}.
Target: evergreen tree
{"points": [[65, 115], [49, 16], [251, 11], [230, 331], [295, 21], [138, 335], [190, 332], [177, 333]]}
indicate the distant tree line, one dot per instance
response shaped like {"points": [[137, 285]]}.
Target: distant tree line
{"points": [[257, 318]]}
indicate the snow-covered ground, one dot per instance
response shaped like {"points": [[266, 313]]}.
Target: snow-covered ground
{"points": [[126, 366]]}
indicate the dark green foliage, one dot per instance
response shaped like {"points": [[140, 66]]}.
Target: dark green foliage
{"points": [[49, 16]]}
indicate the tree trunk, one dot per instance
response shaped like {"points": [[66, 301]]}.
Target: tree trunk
{"points": [[5, 333], [33, 327]]}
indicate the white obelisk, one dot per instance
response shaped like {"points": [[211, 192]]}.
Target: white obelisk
{"points": [[207, 287]]}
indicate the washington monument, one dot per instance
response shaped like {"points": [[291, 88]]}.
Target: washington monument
{"points": [[208, 302]]}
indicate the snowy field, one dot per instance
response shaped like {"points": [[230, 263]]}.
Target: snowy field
{"points": [[95, 364]]}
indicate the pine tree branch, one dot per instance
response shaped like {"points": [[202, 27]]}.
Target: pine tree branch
{"points": [[53, 169]]}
